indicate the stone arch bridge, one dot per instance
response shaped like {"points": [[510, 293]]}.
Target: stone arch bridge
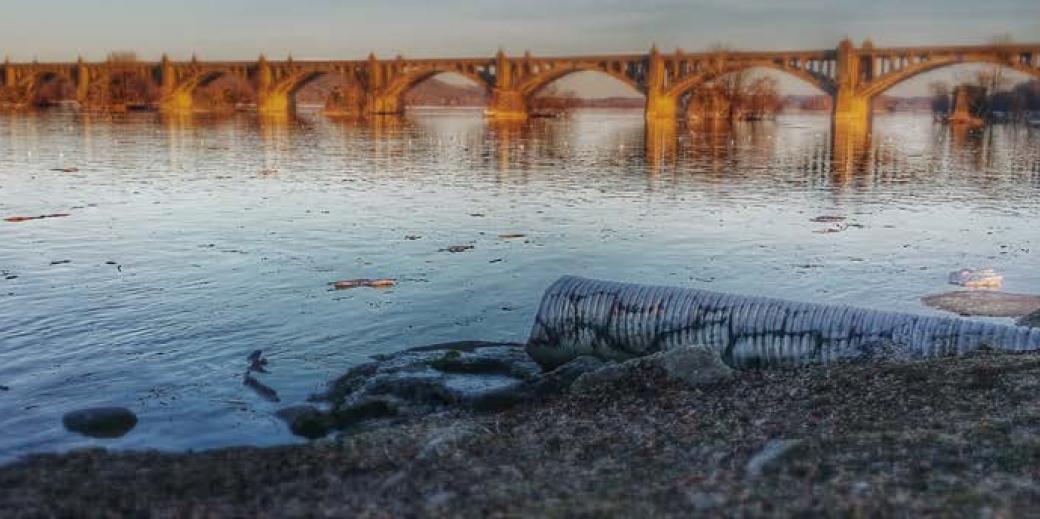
{"points": [[852, 76]]}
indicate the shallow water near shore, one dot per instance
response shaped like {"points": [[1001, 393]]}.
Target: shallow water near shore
{"points": [[190, 243]]}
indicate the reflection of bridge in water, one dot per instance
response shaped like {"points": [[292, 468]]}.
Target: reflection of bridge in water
{"points": [[852, 76]]}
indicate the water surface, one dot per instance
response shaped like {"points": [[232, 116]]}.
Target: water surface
{"points": [[191, 243]]}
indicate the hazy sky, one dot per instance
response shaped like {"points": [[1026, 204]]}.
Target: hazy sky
{"points": [[62, 29]]}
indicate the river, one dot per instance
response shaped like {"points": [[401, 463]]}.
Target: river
{"points": [[191, 242]]}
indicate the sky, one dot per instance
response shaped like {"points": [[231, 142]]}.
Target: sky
{"points": [[53, 30]]}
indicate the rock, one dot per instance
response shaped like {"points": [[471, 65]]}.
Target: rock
{"points": [[431, 378], [984, 303], [265, 391], [257, 362], [694, 366], [771, 454], [306, 421], [438, 442], [1032, 320], [436, 502], [100, 422], [982, 278], [691, 365], [369, 283]]}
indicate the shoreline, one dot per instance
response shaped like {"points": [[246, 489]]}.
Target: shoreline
{"points": [[942, 436]]}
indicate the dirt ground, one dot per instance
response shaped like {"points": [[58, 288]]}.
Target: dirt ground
{"points": [[950, 437]]}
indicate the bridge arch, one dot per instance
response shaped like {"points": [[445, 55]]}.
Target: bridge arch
{"points": [[400, 85], [690, 83], [887, 81], [345, 96], [530, 87], [32, 84]]}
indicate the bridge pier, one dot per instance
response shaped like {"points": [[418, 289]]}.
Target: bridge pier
{"points": [[383, 104], [274, 103], [177, 102], [507, 104], [851, 109], [661, 107], [659, 104]]}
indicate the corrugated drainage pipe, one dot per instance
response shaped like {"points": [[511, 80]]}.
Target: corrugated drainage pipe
{"points": [[618, 321]]}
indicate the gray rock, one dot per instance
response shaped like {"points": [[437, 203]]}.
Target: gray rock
{"points": [[1032, 320], [608, 375], [440, 441], [428, 379], [771, 454], [691, 365], [100, 422], [552, 383], [436, 502], [306, 421]]}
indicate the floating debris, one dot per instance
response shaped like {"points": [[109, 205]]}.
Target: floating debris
{"points": [[367, 283], [477, 215], [413, 237], [983, 278], [827, 219], [837, 227], [984, 303], [60, 262], [66, 170], [16, 219], [268, 172], [457, 248], [511, 236]]}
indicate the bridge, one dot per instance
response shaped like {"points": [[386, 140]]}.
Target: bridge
{"points": [[853, 76]]}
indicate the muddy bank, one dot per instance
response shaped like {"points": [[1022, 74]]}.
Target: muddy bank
{"points": [[952, 436]]}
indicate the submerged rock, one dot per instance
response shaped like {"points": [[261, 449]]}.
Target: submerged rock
{"points": [[100, 422], [421, 381], [984, 303]]}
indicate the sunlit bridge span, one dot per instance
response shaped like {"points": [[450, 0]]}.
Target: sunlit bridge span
{"points": [[853, 76]]}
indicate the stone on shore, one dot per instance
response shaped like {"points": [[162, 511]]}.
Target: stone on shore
{"points": [[1032, 320], [420, 381], [771, 454], [984, 303], [100, 422], [692, 366]]}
